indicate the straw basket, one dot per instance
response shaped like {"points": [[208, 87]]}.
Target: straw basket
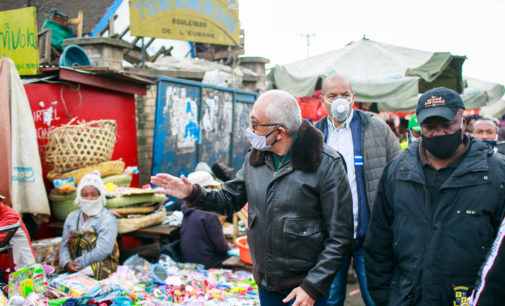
{"points": [[121, 180], [106, 169], [61, 209], [134, 210], [80, 145], [126, 225], [124, 201], [47, 251], [55, 197]]}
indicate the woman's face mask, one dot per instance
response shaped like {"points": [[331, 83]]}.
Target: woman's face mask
{"points": [[90, 201], [90, 207]]}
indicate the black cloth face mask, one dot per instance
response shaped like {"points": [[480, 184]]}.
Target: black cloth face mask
{"points": [[443, 146]]}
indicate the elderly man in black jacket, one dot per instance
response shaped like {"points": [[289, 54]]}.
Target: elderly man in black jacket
{"points": [[300, 207], [438, 207]]}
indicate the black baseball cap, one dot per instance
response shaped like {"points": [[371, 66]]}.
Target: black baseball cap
{"points": [[439, 102]]}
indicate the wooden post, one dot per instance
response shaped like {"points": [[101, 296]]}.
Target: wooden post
{"points": [[78, 21]]}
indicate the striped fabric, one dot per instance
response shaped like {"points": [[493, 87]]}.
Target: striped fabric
{"points": [[358, 160], [86, 240]]}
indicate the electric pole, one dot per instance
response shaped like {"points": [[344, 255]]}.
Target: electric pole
{"points": [[308, 37]]}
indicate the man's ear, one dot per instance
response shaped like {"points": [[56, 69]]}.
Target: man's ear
{"points": [[282, 132], [321, 98]]}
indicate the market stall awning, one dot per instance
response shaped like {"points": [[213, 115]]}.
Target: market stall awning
{"points": [[477, 94], [379, 72]]}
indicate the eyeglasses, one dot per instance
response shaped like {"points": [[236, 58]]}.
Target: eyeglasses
{"points": [[263, 124]]}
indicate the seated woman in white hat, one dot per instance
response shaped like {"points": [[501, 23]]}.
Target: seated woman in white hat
{"points": [[89, 233]]}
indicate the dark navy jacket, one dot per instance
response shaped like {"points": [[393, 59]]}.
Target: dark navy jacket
{"points": [[423, 253], [202, 238]]}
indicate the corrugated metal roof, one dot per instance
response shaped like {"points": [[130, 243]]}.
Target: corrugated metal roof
{"points": [[93, 10]]}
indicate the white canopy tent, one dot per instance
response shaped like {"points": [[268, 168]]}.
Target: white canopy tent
{"points": [[387, 74], [477, 94]]}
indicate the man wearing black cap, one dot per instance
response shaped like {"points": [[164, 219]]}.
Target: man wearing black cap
{"points": [[438, 208]]}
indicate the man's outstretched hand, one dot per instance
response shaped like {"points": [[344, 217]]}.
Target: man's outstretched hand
{"points": [[173, 186]]}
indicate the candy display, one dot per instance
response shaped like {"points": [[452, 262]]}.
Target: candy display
{"points": [[138, 282], [26, 280], [75, 285]]}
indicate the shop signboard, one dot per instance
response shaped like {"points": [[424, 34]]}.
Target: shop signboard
{"points": [[197, 122], [203, 21], [19, 40]]}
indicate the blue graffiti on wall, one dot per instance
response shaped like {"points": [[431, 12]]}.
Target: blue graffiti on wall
{"points": [[191, 130]]}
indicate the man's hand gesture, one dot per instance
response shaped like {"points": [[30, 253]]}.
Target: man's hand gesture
{"points": [[176, 187]]}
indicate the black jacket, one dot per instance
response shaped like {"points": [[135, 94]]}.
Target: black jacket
{"points": [[423, 253], [300, 217], [490, 289]]}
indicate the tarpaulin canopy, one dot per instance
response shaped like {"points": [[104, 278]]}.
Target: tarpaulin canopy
{"points": [[495, 106], [495, 110], [379, 72], [477, 94]]}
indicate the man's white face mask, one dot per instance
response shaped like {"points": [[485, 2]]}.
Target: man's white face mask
{"points": [[339, 108]]}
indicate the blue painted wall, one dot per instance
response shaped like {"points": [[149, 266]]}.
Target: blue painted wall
{"points": [[199, 122]]}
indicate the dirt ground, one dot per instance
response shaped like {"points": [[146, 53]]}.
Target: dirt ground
{"points": [[353, 295]]}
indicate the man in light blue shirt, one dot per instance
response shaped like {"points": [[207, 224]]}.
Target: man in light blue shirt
{"points": [[367, 145]]}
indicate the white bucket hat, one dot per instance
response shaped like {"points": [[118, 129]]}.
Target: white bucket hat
{"points": [[203, 178]]}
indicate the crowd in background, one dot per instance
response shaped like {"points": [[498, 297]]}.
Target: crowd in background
{"points": [[401, 126]]}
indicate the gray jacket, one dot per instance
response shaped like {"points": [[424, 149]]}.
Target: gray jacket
{"points": [[104, 224], [300, 217], [379, 146]]}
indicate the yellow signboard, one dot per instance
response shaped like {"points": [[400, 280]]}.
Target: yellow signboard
{"points": [[19, 40], [204, 21]]}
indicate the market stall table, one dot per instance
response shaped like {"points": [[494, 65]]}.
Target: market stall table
{"points": [[234, 263]]}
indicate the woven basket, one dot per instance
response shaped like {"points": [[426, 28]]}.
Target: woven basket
{"points": [[134, 210], [121, 180], [126, 225], [106, 169], [136, 199], [80, 145], [47, 251], [61, 209], [55, 197]]}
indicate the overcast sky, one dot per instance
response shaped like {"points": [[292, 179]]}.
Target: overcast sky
{"points": [[476, 29]]}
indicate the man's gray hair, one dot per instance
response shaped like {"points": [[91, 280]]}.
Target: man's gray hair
{"points": [[283, 109]]}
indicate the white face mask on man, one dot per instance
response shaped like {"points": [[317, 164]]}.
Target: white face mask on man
{"points": [[339, 108], [259, 142]]}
